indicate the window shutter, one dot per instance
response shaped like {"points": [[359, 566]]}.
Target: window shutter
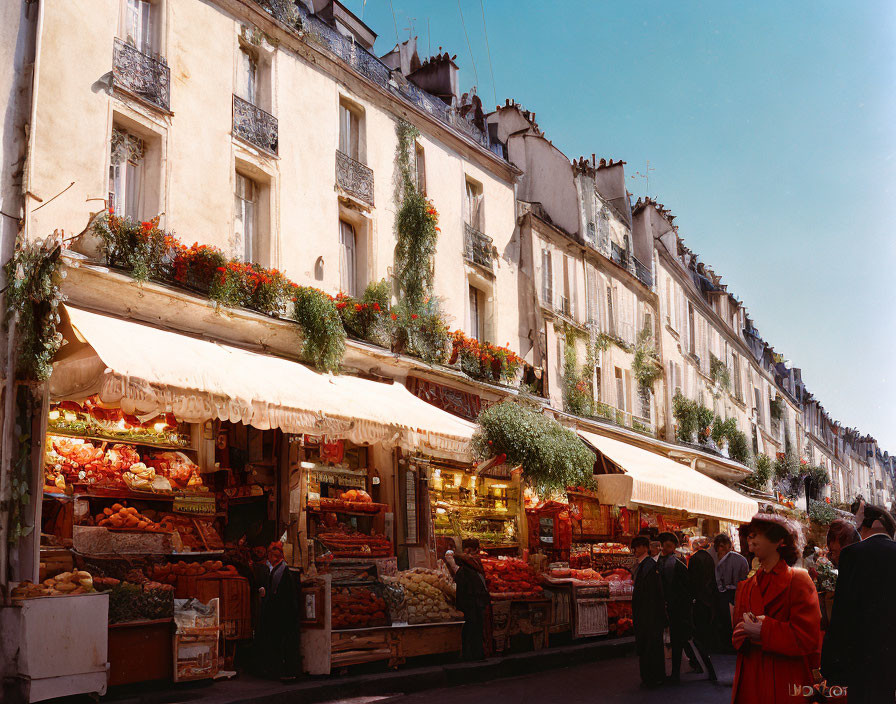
{"points": [[590, 293], [601, 298]]}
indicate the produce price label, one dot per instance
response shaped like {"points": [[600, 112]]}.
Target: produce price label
{"points": [[194, 505]]}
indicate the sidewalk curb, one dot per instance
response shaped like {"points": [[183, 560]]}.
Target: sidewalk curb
{"points": [[395, 682], [451, 675]]}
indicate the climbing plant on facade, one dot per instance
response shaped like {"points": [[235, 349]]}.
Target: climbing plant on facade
{"points": [[33, 295], [646, 364]]}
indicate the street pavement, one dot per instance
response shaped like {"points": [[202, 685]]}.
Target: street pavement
{"points": [[604, 681]]}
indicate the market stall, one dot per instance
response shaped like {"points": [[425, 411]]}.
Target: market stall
{"points": [[162, 470]]}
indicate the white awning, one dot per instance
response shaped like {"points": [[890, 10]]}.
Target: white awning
{"points": [[650, 479], [144, 369]]}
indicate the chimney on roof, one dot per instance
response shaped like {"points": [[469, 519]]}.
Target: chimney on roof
{"points": [[403, 57], [610, 183], [438, 76]]}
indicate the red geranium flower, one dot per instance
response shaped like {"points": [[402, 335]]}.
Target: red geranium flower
{"points": [[414, 316]]}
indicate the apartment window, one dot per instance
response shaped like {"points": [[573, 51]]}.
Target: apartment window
{"points": [[476, 311], [611, 315], [420, 168], [566, 298], [757, 399], [246, 215], [137, 25], [591, 294], [474, 206], [348, 252], [547, 278], [247, 76], [692, 330], [603, 226], [621, 399], [591, 235], [127, 174], [738, 393], [349, 132]]}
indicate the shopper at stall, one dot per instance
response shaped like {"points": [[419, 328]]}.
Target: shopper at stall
{"points": [[679, 609], [279, 621], [777, 619], [648, 614], [472, 597], [859, 648], [702, 578], [731, 570], [841, 533]]}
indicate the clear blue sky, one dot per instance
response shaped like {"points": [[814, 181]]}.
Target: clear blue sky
{"points": [[771, 129]]}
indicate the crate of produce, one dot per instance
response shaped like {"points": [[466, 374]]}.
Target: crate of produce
{"points": [[421, 595], [510, 578], [232, 594], [358, 605]]}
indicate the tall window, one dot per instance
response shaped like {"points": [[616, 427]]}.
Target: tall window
{"points": [[347, 258], [420, 168], [476, 310], [245, 216], [126, 174], [611, 313], [738, 392], [547, 278], [137, 30], [620, 391], [566, 298], [692, 330], [349, 132], [247, 76], [474, 205]]}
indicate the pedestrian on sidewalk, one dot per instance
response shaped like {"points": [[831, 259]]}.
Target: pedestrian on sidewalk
{"points": [[777, 620], [279, 623], [472, 597], [702, 577], [731, 570], [859, 647], [648, 614], [679, 609]]}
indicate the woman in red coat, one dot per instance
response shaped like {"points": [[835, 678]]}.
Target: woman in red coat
{"points": [[777, 620]]}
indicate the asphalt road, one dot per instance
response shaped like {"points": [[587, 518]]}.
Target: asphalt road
{"points": [[605, 681]]}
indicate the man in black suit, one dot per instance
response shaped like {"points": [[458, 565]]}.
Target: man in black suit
{"points": [[679, 609], [648, 614], [702, 578], [859, 648]]}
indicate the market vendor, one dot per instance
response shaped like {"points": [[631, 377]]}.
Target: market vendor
{"points": [[278, 636], [472, 597]]}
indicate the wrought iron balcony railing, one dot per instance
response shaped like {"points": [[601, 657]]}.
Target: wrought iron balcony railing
{"points": [[618, 255], [254, 125], [354, 178], [141, 75], [643, 272], [477, 247]]}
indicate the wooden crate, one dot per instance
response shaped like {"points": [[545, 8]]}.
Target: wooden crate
{"points": [[591, 618], [196, 654], [234, 603], [140, 651]]}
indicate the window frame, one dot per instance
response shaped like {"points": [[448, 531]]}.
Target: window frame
{"points": [[547, 277], [246, 211], [348, 259]]}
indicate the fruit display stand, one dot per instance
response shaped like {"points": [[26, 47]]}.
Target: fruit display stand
{"points": [[62, 644]]}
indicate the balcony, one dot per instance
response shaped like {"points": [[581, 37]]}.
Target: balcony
{"points": [[354, 178], [477, 247], [141, 75], [624, 419], [254, 125], [618, 255], [643, 272]]}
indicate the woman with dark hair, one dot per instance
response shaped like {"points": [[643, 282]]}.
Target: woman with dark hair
{"points": [[776, 617]]}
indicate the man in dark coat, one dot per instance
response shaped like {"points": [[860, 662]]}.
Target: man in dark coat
{"points": [[472, 598], [859, 646], [679, 608], [702, 579], [279, 622], [648, 614]]}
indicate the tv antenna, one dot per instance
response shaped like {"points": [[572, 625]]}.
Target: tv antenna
{"points": [[410, 26], [645, 176]]}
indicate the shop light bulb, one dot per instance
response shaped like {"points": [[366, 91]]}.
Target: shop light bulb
{"points": [[307, 465], [70, 417], [160, 427], [441, 511], [120, 425], [54, 415], [437, 474], [499, 486]]}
